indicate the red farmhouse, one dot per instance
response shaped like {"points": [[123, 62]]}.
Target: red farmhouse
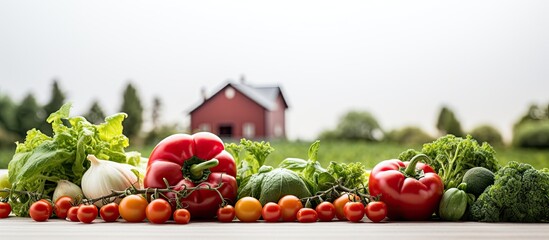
{"points": [[240, 110]]}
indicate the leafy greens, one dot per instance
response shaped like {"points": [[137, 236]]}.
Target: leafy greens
{"points": [[41, 161]]}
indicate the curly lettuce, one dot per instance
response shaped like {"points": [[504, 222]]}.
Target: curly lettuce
{"points": [[41, 161]]}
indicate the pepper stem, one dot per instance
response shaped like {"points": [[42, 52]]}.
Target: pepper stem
{"points": [[197, 170], [411, 169]]}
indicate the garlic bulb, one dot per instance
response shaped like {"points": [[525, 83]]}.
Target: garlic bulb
{"points": [[66, 188], [104, 176]]}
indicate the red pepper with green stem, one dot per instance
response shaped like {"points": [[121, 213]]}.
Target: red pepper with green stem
{"points": [[412, 190], [183, 161]]}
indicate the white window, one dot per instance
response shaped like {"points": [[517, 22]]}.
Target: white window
{"points": [[229, 93], [248, 130], [204, 127]]}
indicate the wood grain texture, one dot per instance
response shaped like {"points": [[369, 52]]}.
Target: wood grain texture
{"points": [[25, 228]]}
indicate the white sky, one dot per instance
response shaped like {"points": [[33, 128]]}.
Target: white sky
{"points": [[400, 60]]}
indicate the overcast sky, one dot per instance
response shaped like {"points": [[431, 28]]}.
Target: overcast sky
{"points": [[400, 60]]}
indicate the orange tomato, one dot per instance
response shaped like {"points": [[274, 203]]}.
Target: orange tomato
{"points": [[132, 208], [248, 209], [289, 205]]}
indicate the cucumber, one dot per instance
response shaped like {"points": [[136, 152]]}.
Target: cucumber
{"points": [[478, 179]]}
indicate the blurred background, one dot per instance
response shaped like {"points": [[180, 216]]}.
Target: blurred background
{"points": [[368, 78]]}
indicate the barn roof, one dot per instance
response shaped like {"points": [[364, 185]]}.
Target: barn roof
{"points": [[265, 96]]}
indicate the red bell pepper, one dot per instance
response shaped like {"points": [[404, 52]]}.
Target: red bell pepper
{"points": [[412, 190], [197, 160]]}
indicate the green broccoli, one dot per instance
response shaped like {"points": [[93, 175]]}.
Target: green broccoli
{"points": [[452, 156], [520, 193]]}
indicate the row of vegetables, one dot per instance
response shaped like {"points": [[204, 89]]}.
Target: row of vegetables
{"points": [[83, 172]]}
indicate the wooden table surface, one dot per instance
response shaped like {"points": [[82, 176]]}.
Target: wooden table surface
{"points": [[26, 228]]}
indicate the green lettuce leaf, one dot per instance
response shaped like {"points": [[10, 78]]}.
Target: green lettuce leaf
{"points": [[41, 160]]}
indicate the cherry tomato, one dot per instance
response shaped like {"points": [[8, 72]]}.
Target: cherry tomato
{"points": [[5, 209], [87, 213], [109, 212], [181, 216], [376, 211], [50, 205], [158, 211], [132, 208], [225, 214], [289, 204], [271, 212], [40, 211], [326, 211], [62, 206], [340, 202], [307, 215], [248, 209], [354, 211], [72, 214]]}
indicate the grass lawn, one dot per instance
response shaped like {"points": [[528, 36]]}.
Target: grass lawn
{"points": [[367, 153]]}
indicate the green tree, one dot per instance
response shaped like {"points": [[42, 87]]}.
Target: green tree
{"points": [[95, 115], [131, 105], [356, 125], [56, 101], [155, 115], [487, 133], [29, 115], [409, 136], [8, 125], [532, 129], [447, 123], [534, 113], [7, 116]]}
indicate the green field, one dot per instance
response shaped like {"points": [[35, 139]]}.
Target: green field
{"points": [[367, 153]]}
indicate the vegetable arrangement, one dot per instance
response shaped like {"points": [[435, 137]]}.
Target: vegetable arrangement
{"points": [[42, 161], [82, 173]]}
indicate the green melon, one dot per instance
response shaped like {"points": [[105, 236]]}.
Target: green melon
{"points": [[478, 179]]}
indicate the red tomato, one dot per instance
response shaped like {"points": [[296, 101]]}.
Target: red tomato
{"points": [[132, 208], [271, 212], [290, 205], [307, 215], [40, 211], [226, 213], [326, 211], [340, 202], [50, 205], [181, 216], [376, 211], [248, 209], [62, 206], [5, 209], [158, 211], [354, 211], [87, 213], [109, 212], [72, 214]]}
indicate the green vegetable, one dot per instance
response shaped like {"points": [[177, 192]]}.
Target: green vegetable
{"points": [[41, 160], [452, 156], [4, 183], [351, 175], [453, 203], [520, 193], [311, 172], [249, 156], [478, 179], [269, 185]]}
